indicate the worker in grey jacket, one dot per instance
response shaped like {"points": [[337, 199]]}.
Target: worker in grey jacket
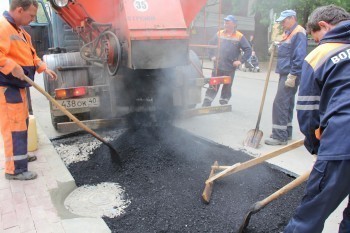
{"points": [[291, 52]]}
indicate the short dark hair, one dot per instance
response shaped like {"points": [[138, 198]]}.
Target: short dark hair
{"points": [[25, 4], [331, 14]]}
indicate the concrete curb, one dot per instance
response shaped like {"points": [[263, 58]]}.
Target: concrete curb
{"points": [[65, 185]]}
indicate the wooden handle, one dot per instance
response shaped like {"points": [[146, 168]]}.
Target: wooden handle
{"points": [[265, 88], [284, 189], [65, 111], [233, 169], [208, 189], [217, 167]]}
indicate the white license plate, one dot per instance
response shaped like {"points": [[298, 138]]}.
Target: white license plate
{"points": [[79, 103]]}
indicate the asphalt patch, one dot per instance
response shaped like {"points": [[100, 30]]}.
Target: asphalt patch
{"points": [[163, 175]]}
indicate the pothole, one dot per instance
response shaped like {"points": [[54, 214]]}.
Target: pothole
{"points": [[104, 199]]}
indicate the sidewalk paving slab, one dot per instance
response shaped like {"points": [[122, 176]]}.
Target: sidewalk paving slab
{"points": [[36, 206]]}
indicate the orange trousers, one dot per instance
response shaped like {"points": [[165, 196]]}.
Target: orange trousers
{"points": [[14, 128]]}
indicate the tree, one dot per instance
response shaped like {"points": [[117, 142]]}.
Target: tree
{"points": [[262, 9]]}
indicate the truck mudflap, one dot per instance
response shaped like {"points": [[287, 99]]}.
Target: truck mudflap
{"points": [[206, 111]]}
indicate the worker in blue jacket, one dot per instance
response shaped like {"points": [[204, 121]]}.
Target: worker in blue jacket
{"points": [[227, 58], [291, 52], [323, 109]]}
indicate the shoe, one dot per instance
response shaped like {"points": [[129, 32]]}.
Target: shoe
{"points": [[275, 142], [223, 102], [31, 158], [22, 176]]}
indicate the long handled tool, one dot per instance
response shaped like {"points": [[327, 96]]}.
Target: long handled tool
{"points": [[209, 187], [114, 154], [239, 167], [254, 136], [261, 204]]}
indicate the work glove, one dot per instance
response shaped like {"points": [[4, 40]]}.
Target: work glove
{"points": [[18, 72], [290, 82], [270, 48], [274, 43]]}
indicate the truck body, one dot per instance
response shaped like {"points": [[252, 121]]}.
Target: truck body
{"points": [[126, 57]]}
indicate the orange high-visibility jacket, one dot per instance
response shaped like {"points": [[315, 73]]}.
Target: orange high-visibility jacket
{"points": [[16, 47]]}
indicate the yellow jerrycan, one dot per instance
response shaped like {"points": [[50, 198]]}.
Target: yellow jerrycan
{"points": [[32, 134]]}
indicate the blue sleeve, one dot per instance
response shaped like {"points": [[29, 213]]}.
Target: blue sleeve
{"points": [[299, 46], [308, 108], [247, 49]]}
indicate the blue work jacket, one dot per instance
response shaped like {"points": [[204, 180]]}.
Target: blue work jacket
{"points": [[324, 96], [292, 51]]}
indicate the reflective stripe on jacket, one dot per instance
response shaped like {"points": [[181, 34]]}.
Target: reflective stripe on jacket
{"points": [[323, 101], [16, 48], [292, 51], [230, 49]]}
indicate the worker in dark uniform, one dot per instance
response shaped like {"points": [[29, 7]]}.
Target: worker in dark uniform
{"points": [[17, 59], [228, 59], [323, 109], [290, 56]]}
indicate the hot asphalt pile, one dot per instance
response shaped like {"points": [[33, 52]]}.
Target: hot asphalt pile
{"points": [[163, 175]]}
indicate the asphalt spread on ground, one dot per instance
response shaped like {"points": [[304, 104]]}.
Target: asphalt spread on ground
{"points": [[163, 174]]}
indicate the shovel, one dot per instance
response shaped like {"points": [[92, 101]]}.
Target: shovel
{"points": [[114, 154], [254, 136], [261, 204]]}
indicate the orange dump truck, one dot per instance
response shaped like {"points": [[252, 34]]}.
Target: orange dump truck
{"points": [[134, 57]]}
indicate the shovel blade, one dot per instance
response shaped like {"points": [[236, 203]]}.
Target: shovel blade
{"points": [[253, 138]]}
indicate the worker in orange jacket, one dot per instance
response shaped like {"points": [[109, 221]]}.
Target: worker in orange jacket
{"points": [[18, 59]]}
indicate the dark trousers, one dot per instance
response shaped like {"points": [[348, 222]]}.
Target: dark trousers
{"points": [[226, 88], [326, 188], [282, 111]]}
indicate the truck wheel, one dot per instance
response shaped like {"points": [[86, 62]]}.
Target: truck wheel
{"points": [[113, 50]]}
